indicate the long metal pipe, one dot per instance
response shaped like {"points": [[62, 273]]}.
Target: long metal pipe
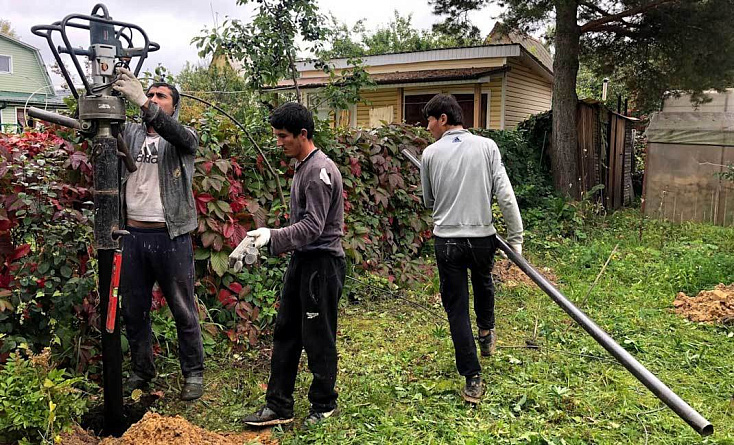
{"points": [[660, 389], [54, 118]]}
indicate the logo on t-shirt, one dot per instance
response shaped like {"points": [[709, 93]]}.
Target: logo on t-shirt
{"points": [[149, 153], [456, 139]]}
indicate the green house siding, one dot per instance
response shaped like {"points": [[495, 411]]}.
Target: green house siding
{"points": [[28, 83], [27, 72]]}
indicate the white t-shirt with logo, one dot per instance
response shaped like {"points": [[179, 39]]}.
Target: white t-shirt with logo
{"points": [[143, 189]]}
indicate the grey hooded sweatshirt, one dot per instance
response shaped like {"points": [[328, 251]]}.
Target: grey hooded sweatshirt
{"points": [[176, 153], [460, 173]]}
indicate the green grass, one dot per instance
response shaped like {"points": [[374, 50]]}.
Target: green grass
{"points": [[398, 383]]}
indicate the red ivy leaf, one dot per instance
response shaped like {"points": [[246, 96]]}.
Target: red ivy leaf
{"points": [[227, 298], [20, 252]]}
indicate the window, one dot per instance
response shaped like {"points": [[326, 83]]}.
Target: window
{"points": [[414, 104], [6, 66], [21, 119]]}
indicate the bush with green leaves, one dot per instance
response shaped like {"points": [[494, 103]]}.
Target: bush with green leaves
{"points": [[37, 400]]}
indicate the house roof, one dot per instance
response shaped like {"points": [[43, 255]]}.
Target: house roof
{"points": [[498, 50], [35, 99], [535, 47], [400, 77], [41, 64]]}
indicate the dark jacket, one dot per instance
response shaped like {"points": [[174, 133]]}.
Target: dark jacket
{"points": [[317, 209], [175, 168]]}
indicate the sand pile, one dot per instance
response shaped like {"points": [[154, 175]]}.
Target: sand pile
{"points": [[712, 306]]}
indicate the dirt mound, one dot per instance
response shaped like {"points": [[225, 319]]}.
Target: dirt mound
{"points": [[506, 272], [712, 306], [154, 429], [79, 437]]}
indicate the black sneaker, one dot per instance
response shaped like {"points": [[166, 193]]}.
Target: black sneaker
{"points": [[316, 417], [135, 382], [488, 343], [266, 417], [473, 390], [193, 388]]}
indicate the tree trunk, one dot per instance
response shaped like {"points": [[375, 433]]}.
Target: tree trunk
{"points": [[564, 147]]}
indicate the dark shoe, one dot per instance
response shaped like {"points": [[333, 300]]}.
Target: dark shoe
{"points": [[193, 388], [488, 343], [315, 418], [473, 390], [133, 383], [266, 417]]}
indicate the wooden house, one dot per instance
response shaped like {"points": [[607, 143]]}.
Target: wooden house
{"points": [[498, 85]]}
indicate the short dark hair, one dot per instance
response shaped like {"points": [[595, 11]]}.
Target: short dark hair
{"points": [[174, 92], [444, 104], [292, 117]]}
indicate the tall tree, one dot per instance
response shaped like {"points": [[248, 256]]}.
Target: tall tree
{"points": [[6, 28], [266, 46], [653, 45], [398, 35]]}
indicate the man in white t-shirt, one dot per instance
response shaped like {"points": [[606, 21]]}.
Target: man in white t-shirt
{"points": [[159, 213]]}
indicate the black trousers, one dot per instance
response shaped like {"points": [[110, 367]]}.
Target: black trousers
{"points": [[307, 320], [150, 255], [454, 257]]}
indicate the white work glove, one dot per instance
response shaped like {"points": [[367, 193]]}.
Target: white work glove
{"points": [[261, 236], [130, 87], [517, 248]]}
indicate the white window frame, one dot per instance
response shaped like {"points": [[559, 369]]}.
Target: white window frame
{"points": [[10, 64], [352, 110], [17, 124], [467, 90]]}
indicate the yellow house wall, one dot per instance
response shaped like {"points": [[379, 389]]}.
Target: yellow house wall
{"points": [[376, 98], [527, 94]]}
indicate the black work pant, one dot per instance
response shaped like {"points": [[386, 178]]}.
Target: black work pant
{"points": [[454, 256], [307, 320], [150, 255]]}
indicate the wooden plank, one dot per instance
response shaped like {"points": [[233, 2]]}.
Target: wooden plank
{"points": [[399, 110], [477, 105]]}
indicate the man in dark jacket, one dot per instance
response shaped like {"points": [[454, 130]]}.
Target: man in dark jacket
{"points": [[159, 212], [315, 276]]}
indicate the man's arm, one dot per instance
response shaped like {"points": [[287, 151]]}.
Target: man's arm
{"points": [[173, 131], [505, 195], [428, 198], [308, 229]]}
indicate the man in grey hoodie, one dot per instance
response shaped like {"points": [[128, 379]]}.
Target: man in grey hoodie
{"points": [[460, 173], [159, 212]]}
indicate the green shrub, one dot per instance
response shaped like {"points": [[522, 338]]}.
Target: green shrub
{"points": [[37, 401]]}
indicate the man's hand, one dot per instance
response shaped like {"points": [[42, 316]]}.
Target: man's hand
{"points": [[261, 236], [517, 248], [130, 87]]}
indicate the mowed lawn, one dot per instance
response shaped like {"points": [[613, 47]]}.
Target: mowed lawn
{"points": [[398, 383]]}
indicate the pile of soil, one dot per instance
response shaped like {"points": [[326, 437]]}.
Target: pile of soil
{"points": [[710, 306], [154, 429], [506, 272]]}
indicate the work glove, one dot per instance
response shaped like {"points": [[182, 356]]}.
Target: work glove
{"points": [[516, 247], [261, 236], [130, 87]]}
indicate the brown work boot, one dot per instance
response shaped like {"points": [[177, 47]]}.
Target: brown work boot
{"points": [[488, 343], [473, 390]]}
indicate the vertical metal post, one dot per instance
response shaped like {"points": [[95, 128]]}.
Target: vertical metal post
{"points": [[106, 222]]}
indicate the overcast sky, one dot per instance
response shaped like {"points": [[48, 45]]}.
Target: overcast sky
{"points": [[173, 23]]}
